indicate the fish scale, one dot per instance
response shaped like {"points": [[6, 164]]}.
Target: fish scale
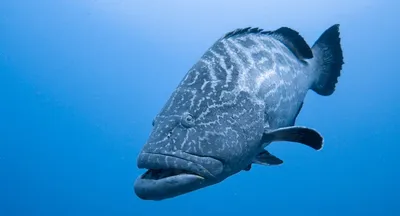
{"points": [[239, 52]]}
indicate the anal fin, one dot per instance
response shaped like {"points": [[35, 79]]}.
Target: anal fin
{"points": [[248, 168]]}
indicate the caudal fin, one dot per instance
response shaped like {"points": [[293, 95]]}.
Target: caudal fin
{"points": [[328, 61]]}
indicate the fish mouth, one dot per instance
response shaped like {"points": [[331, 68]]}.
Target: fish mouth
{"points": [[158, 174], [170, 175]]}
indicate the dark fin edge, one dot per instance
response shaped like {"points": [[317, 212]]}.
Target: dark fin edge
{"points": [[289, 37], [294, 41], [329, 57], [303, 135]]}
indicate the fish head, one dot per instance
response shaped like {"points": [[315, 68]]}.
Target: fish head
{"points": [[195, 143]]}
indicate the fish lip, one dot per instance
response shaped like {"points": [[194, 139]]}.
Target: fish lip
{"points": [[179, 156], [160, 189], [170, 186]]}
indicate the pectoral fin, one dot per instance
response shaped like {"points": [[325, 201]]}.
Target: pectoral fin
{"points": [[303, 135], [266, 158]]}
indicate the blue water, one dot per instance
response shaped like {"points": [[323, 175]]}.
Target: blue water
{"points": [[81, 80]]}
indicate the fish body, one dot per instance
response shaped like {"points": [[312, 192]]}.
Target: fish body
{"points": [[244, 93]]}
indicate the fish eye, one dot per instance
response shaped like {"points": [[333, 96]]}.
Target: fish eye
{"points": [[187, 120], [152, 123]]}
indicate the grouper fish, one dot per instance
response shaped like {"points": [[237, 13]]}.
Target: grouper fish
{"points": [[244, 93]]}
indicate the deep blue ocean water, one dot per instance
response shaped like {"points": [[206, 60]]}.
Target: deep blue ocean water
{"points": [[81, 80]]}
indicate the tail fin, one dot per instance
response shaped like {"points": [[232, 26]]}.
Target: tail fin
{"points": [[329, 60]]}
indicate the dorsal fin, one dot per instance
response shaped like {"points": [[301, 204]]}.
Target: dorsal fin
{"points": [[294, 41], [289, 37], [242, 31]]}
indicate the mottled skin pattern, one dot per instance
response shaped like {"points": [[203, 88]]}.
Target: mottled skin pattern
{"points": [[243, 85]]}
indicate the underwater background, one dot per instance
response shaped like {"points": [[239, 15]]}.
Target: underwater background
{"points": [[81, 80]]}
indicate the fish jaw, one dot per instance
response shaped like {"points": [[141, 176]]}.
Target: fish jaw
{"points": [[168, 175], [169, 187]]}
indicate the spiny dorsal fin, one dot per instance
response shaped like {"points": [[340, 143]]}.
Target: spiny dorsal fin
{"points": [[243, 31], [291, 38]]}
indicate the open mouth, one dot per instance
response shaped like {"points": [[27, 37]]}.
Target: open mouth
{"points": [[157, 174]]}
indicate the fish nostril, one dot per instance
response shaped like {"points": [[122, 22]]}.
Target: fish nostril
{"points": [[169, 134], [170, 131]]}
